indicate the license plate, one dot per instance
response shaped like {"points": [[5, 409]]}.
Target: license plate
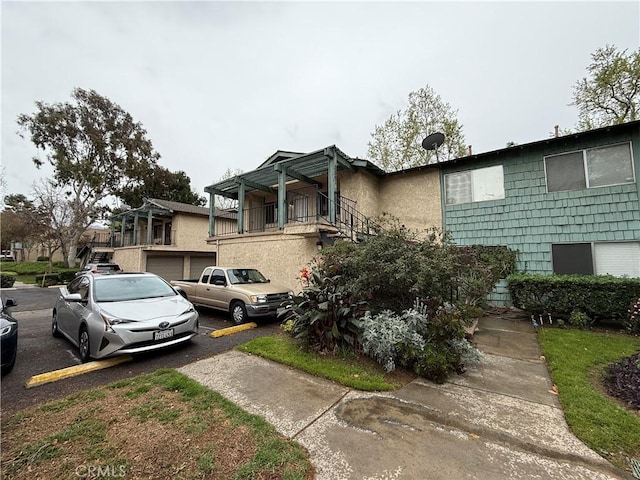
{"points": [[162, 334]]}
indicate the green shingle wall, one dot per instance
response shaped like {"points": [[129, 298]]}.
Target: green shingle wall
{"points": [[529, 219]]}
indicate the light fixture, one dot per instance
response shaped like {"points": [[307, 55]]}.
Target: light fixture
{"points": [[319, 244]]}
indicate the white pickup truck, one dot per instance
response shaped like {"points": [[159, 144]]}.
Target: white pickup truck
{"points": [[244, 292]]}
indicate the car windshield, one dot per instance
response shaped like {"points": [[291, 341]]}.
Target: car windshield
{"points": [[245, 275], [124, 288]]}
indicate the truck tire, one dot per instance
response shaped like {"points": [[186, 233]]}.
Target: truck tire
{"points": [[238, 313]]}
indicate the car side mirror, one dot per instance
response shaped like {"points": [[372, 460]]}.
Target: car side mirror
{"points": [[72, 297], [10, 302]]}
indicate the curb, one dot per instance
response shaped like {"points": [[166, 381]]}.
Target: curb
{"points": [[232, 330]]}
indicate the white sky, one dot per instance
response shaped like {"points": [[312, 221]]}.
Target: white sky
{"points": [[221, 85]]}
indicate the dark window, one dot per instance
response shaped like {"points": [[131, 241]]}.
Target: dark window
{"points": [[595, 167], [574, 258], [205, 275], [217, 277], [565, 172]]}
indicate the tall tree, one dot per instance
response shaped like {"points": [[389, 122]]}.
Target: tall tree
{"points": [[18, 221], [397, 143], [611, 93], [162, 184], [95, 148]]}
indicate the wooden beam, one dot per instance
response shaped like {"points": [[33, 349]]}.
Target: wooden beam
{"points": [[298, 176], [254, 185]]}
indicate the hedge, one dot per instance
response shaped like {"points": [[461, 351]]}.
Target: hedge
{"points": [[601, 297], [6, 280]]}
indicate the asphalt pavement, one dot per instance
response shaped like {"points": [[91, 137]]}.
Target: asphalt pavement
{"points": [[500, 420]]}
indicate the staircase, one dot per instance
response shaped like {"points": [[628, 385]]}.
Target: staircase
{"points": [[350, 223]]}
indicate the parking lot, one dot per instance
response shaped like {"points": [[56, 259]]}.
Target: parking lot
{"points": [[39, 352]]}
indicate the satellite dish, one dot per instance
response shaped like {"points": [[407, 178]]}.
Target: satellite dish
{"points": [[433, 141]]}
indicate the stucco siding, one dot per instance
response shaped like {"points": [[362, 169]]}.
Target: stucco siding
{"points": [[279, 257], [363, 188], [529, 219], [130, 259], [413, 198], [191, 232]]}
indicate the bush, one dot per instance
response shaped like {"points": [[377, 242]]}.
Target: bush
{"points": [[47, 280], [622, 380], [599, 297], [429, 342], [325, 314], [65, 276], [579, 320], [42, 259], [7, 280]]}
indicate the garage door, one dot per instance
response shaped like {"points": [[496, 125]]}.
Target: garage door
{"points": [[169, 268], [198, 264]]}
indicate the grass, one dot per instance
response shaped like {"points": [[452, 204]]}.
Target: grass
{"points": [[162, 425], [577, 359], [360, 373]]}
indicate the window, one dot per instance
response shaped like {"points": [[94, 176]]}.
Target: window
{"points": [[474, 185], [606, 258], [218, 278], [595, 167]]}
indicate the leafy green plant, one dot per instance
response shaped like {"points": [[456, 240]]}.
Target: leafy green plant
{"points": [[600, 297], [326, 314], [579, 319]]}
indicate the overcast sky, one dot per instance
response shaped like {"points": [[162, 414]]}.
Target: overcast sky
{"points": [[221, 85]]}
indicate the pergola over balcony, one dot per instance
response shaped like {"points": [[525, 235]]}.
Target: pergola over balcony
{"points": [[272, 177]]}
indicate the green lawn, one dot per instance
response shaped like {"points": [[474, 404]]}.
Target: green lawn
{"points": [[577, 360], [360, 373]]}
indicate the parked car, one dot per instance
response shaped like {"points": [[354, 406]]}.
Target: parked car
{"points": [[244, 292], [100, 268], [8, 336], [122, 313]]}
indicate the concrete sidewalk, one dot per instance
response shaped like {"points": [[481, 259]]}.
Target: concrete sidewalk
{"points": [[497, 421]]}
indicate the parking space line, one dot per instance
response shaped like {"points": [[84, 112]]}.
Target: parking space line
{"points": [[231, 330], [48, 377]]}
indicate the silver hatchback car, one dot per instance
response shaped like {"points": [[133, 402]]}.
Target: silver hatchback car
{"points": [[122, 313]]}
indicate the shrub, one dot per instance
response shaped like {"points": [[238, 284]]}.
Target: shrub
{"points": [[622, 380], [7, 280], [325, 314], [429, 342], [579, 320], [479, 268], [47, 280], [65, 276], [42, 259], [600, 297]]}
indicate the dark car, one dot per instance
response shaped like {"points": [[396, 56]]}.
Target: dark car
{"points": [[100, 268], [8, 336]]}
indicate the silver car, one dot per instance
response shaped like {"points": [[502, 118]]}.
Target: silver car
{"points": [[122, 313]]}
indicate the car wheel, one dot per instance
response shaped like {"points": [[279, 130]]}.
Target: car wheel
{"points": [[238, 313], [83, 344], [54, 326]]}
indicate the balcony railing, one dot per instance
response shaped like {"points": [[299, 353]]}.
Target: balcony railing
{"points": [[304, 208]]}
